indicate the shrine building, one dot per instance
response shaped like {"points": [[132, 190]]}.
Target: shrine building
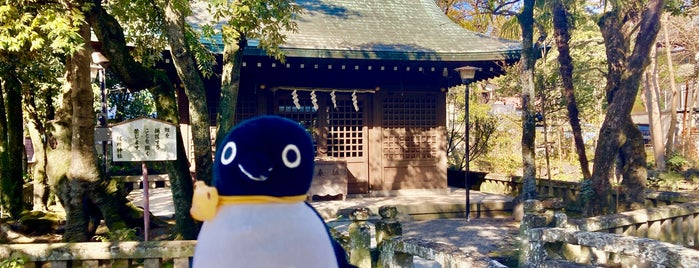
{"points": [[368, 79]]}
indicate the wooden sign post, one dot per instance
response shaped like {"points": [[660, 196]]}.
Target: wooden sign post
{"points": [[142, 140]]}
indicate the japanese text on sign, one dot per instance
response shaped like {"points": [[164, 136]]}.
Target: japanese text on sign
{"points": [[144, 139]]}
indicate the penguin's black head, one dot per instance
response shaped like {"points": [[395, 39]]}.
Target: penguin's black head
{"points": [[264, 155]]}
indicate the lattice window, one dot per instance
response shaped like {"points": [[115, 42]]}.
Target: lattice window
{"points": [[410, 122], [410, 147], [345, 128], [306, 115], [246, 106], [402, 111]]}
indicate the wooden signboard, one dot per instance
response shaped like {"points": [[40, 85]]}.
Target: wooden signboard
{"points": [[144, 139], [141, 140]]}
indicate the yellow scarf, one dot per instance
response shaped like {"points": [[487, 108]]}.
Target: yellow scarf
{"points": [[206, 201], [259, 199]]}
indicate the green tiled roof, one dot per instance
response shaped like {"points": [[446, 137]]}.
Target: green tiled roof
{"points": [[383, 29]]}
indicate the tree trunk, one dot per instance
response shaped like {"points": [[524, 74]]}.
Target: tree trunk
{"points": [[616, 47], [633, 170], [83, 191], [230, 84], [4, 155], [654, 118], [194, 88], [11, 181], [137, 77], [622, 90], [58, 136], [562, 36], [526, 20], [40, 184], [688, 102], [691, 103], [82, 168], [670, 144], [655, 86], [37, 128]]}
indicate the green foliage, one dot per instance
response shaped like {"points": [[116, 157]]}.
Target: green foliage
{"points": [[506, 150], [483, 126], [482, 19], [132, 105], [13, 262], [665, 180], [33, 25], [206, 60], [588, 78], [587, 191], [142, 24], [42, 80], [677, 163], [36, 35], [118, 235], [265, 21], [678, 7]]}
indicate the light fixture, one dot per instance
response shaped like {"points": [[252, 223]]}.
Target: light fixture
{"points": [[467, 75], [99, 59]]}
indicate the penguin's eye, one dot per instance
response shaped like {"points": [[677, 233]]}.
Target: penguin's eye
{"points": [[228, 153], [291, 156]]}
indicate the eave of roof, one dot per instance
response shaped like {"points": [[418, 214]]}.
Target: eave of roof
{"points": [[414, 30]]}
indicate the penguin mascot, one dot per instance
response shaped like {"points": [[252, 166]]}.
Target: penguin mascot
{"points": [[255, 215]]}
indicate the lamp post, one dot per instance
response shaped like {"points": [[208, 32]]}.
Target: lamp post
{"points": [[101, 61], [467, 74]]}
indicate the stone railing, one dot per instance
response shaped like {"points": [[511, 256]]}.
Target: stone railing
{"points": [[659, 236], [152, 254], [153, 179], [607, 249], [393, 250], [568, 191], [512, 185]]}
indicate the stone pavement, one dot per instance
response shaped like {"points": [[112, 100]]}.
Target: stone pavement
{"points": [[423, 206], [415, 206], [434, 217]]}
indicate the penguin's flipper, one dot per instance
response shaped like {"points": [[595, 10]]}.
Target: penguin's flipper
{"points": [[341, 255]]}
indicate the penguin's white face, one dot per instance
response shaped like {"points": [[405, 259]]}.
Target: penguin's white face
{"points": [[290, 156]]}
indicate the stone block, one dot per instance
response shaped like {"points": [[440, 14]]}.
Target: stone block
{"points": [[533, 206]]}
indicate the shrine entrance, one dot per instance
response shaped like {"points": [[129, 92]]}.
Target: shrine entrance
{"points": [[336, 121]]}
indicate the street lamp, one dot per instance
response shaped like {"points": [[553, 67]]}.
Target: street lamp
{"points": [[102, 132], [467, 74]]}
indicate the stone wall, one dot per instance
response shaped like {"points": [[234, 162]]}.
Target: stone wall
{"points": [[655, 237], [568, 191]]}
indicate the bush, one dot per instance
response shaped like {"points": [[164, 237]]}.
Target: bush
{"points": [[677, 163], [125, 234]]}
